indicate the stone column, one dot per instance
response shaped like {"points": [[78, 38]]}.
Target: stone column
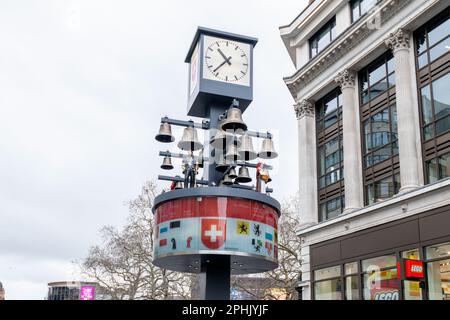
{"points": [[408, 129], [351, 141], [305, 112]]}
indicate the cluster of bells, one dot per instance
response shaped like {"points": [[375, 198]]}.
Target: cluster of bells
{"points": [[228, 149]]}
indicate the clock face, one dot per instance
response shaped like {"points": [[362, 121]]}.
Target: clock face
{"points": [[226, 61]]}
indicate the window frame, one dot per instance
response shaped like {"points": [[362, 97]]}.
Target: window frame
{"points": [[437, 145], [325, 135], [331, 25]]}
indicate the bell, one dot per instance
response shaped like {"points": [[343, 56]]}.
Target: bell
{"points": [[234, 120], [179, 185], [221, 164], [189, 141], [246, 150], [165, 133], [221, 139], [232, 173], [267, 150], [227, 181], [243, 176], [167, 163], [199, 160], [232, 153]]}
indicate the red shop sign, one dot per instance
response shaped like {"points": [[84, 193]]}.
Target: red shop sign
{"points": [[414, 269]]}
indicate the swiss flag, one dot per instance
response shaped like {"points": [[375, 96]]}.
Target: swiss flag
{"points": [[214, 232]]}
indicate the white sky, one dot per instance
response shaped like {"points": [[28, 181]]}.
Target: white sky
{"points": [[83, 85]]}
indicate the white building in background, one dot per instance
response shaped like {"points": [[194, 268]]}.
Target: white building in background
{"points": [[372, 101]]}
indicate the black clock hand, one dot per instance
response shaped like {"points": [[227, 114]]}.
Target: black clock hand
{"points": [[227, 60], [220, 65]]}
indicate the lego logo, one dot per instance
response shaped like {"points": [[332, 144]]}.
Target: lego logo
{"points": [[417, 269]]}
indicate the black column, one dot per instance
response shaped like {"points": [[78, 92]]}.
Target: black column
{"points": [[215, 278]]}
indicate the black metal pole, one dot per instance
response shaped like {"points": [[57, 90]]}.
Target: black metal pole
{"points": [[215, 277]]}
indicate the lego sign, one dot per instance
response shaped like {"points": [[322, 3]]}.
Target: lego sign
{"points": [[87, 293], [414, 269]]}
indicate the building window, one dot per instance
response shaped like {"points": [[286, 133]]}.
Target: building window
{"points": [[322, 38], [380, 281], [380, 136], [432, 42], [328, 284], [379, 126], [361, 7], [438, 271], [378, 77], [352, 286], [330, 155]]}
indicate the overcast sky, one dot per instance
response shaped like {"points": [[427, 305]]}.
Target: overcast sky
{"points": [[83, 85]]}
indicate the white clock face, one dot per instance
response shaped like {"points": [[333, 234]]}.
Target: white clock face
{"points": [[226, 61]]}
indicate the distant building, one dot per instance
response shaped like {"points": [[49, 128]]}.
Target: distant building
{"points": [[74, 290], [2, 292]]}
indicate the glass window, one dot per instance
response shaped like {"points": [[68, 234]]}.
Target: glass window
{"points": [[361, 7], [352, 288], [441, 96], [433, 40], [382, 189], [328, 290], [327, 273], [351, 268], [427, 112], [377, 77], [438, 273], [412, 290], [331, 209], [438, 168], [379, 263], [322, 38], [413, 254], [438, 251], [381, 285]]}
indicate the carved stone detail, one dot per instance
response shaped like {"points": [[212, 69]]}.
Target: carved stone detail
{"points": [[398, 40], [304, 108], [324, 60], [345, 79]]}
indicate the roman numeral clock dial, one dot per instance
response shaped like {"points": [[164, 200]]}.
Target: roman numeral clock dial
{"points": [[226, 61]]}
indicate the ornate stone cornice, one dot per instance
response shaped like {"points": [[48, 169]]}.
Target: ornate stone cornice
{"points": [[398, 40], [345, 79], [343, 44], [304, 108]]}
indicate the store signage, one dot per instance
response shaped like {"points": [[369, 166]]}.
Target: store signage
{"points": [[87, 292], [414, 269]]}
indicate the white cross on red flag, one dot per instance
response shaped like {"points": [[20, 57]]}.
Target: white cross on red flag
{"points": [[214, 232]]}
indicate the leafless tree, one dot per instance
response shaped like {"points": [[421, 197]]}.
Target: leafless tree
{"points": [[122, 264], [281, 282]]}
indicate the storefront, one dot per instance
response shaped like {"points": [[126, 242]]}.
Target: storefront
{"points": [[408, 259]]}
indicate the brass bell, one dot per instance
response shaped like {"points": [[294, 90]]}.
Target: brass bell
{"points": [[221, 164], [165, 133], [232, 153], [234, 120], [199, 160], [167, 163], [232, 173], [246, 150], [221, 139], [267, 150], [227, 180], [243, 176], [189, 141], [178, 185]]}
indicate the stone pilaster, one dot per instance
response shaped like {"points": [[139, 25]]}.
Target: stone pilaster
{"points": [[307, 160], [351, 141], [408, 127]]}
